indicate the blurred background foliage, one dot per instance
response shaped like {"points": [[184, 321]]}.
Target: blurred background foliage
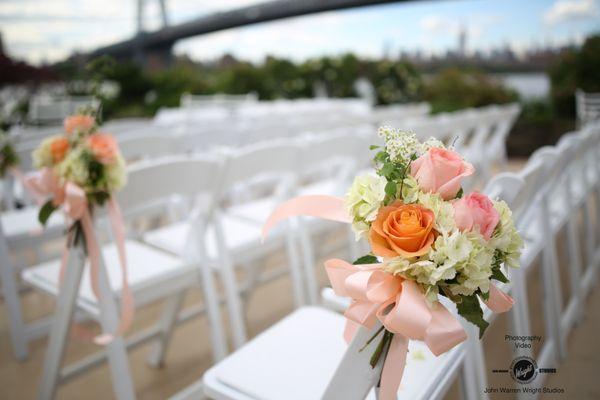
{"points": [[542, 121]]}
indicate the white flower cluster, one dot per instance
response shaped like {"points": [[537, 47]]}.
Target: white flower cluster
{"points": [[400, 145]]}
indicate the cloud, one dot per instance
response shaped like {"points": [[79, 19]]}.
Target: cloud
{"points": [[568, 10]]}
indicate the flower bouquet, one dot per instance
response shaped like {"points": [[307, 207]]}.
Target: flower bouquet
{"points": [[78, 171], [428, 239]]}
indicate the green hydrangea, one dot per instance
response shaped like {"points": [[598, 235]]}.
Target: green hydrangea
{"points": [[74, 168], [116, 174], [42, 156]]}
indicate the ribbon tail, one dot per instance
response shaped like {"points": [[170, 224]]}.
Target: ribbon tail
{"points": [[127, 302], [499, 301], [93, 251], [326, 207], [393, 367]]}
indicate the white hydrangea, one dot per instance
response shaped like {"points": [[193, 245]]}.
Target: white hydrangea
{"points": [[400, 145], [506, 238], [442, 210], [42, 156], [363, 200]]}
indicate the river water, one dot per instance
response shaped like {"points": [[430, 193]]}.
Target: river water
{"points": [[529, 85]]}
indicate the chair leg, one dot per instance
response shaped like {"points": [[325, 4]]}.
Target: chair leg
{"points": [[166, 325], [308, 257], [293, 258], [116, 350], [65, 306], [213, 313], [13, 305], [232, 296], [552, 298], [575, 274]]}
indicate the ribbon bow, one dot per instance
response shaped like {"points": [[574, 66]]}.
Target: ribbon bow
{"points": [[402, 309]]}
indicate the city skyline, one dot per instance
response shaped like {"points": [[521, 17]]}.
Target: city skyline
{"points": [[38, 31]]}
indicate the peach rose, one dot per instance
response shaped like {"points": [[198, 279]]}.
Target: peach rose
{"points": [[104, 147], [78, 123], [476, 211], [59, 148], [440, 171], [402, 230]]}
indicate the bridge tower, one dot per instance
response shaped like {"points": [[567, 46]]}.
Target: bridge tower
{"points": [[151, 57]]}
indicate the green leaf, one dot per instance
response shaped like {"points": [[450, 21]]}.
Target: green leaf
{"points": [[470, 309], [497, 261], [46, 211], [373, 147], [498, 275], [391, 188], [484, 296], [387, 169], [368, 259], [460, 193]]}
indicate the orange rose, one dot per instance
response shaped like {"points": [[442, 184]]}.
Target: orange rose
{"points": [[58, 149], [104, 147], [402, 230]]}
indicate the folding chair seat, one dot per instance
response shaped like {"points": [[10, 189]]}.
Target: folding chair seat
{"points": [[297, 357], [22, 228], [153, 274], [245, 241]]}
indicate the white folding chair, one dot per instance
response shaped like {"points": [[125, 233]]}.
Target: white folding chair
{"points": [[153, 274], [234, 237]]}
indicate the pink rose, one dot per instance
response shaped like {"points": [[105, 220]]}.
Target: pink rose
{"points": [[440, 171], [78, 123], [476, 211]]}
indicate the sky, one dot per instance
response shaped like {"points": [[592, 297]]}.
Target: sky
{"points": [[41, 31]]}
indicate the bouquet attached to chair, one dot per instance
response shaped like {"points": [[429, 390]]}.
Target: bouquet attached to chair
{"points": [[428, 239], [78, 172]]}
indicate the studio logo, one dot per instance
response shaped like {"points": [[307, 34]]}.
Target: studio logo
{"points": [[523, 369]]}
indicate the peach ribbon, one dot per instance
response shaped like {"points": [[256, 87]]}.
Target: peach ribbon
{"points": [[75, 205], [37, 183], [397, 303]]}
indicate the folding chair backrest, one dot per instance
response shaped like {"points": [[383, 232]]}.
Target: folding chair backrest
{"points": [[139, 147], [526, 200], [154, 182], [505, 186], [281, 159]]}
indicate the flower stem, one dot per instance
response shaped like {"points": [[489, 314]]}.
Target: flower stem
{"points": [[371, 339], [387, 337]]}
